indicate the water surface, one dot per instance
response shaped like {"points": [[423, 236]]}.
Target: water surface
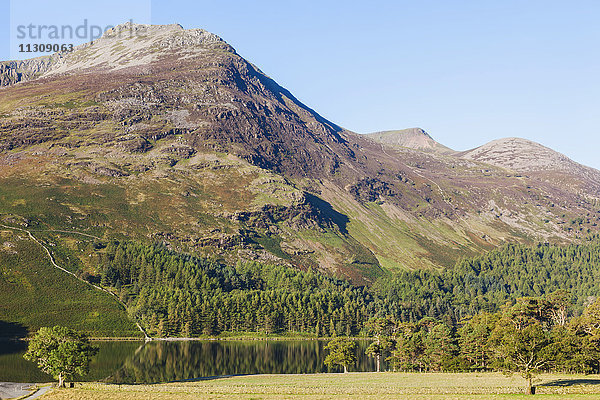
{"points": [[158, 361]]}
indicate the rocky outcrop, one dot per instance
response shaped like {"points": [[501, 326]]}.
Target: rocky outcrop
{"points": [[309, 212], [12, 72]]}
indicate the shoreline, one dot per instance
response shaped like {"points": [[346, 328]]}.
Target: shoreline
{"points": [[195, 339]]}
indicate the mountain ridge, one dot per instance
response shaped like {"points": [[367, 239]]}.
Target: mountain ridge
{"points": [[240, 169], [118, 48]]}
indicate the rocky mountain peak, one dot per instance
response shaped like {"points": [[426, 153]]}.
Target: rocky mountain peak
{"points": [[522, 155], [124, 46], [162, 80], [413, 138]]}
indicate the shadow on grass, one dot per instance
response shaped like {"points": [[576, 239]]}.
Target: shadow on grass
{"points": [[199, 379], [210, 378], [572, 382], [329, 213]]}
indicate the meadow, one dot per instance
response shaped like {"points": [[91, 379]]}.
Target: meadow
{"points": [[40, 295], [413, 386]]}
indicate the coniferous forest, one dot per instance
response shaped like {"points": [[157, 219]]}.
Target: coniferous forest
{"points": [[173, 294], [520, 309], [179, 295]]}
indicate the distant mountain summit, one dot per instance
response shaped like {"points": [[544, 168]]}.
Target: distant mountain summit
{"points": [[522, 155], [412, 138]]}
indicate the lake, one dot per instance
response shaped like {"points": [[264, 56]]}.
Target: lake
{"points": [[159, 361]]}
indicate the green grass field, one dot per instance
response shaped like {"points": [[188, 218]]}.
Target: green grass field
{"points": [[34, 294], [413, 386]]}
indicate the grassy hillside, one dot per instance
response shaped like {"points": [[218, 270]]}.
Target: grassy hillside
{"points": [[34, 294], [212, 205]]}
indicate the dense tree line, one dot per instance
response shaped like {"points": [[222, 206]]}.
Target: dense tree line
{"points": [[180, 295], [534, 335], [173, 294], [488, 282]]}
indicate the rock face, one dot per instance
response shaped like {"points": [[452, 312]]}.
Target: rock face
{"points": [[12, 72], [413, 138], [161, 133]]}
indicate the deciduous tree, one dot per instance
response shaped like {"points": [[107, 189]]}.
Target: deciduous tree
{"points": [[525, 348], [378, 348], [379, 328], [341, 352], [61, 352]]}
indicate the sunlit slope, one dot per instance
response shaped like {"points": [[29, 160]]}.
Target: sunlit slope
{"points": [[33, 294]]}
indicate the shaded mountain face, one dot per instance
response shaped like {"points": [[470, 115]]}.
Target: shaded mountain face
{"points": [[157, 133], [413, 138]]}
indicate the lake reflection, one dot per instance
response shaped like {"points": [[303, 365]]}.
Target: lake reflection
{"points": [[134, 362]]}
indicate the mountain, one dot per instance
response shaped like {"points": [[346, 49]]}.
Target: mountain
{"points": [[539, 162], [413, 138], [161, 134], [524, 156]]}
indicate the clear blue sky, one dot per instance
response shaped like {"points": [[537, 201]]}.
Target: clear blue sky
{"points": [[466, 71]]}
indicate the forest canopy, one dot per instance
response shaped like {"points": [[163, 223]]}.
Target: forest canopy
{"points": [[174, 294]]}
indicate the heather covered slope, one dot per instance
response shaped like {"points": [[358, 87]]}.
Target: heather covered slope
{"points": [[168, 135]]}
